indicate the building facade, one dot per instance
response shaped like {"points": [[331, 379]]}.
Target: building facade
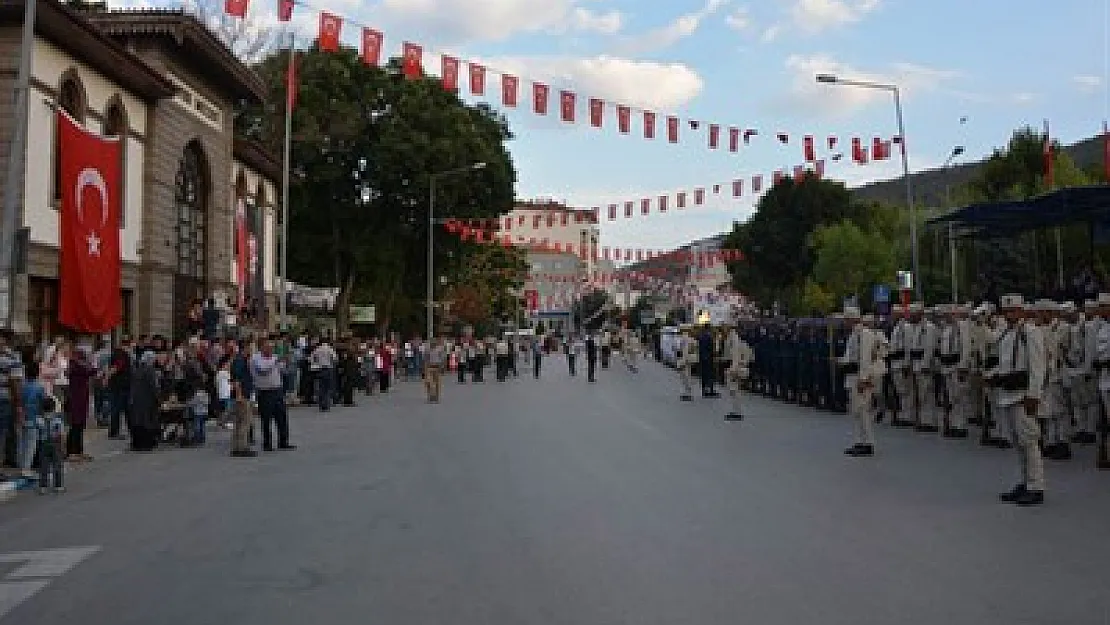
{"points": [[163, 82]]}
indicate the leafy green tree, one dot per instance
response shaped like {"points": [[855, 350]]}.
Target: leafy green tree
{"points": [[366, 142], [850, 260]]}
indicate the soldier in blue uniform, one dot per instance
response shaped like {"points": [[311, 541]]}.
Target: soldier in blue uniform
{"points": [[823, 365], [840, 344]]}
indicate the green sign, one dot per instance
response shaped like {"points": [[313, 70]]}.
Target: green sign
{"points": [[363, 314]]}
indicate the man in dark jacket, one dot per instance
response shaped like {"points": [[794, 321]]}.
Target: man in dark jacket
{"points": [[705, 363], [591, 357]]}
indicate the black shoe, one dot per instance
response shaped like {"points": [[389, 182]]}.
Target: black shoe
{"points": [[861, 451], [267, 448], [1013, 495], [1058, 451], [287, 447], [927, 429], [245, 453], [1030, 498], [1000, 443], [899, 423], [686, 397], [960, 433], [949, 433], [734, 416], [975, 421]]}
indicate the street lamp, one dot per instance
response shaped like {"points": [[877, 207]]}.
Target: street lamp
{"points": [[956, 152], [830, 79], [431, 235]]}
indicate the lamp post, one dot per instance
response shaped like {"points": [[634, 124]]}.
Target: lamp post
{"points": [[830, 79], [431, 237], [956, 152]]}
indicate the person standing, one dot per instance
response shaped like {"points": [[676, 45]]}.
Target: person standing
{"points": [[606, 348], [862, 365], [923, 346], [145, 400], [572, 353], [434, 362], [1019, 378], [685, 357], [705, 363], [79, 373], [242, 410], [739, 356], [323, 362], [503, 351], [11, 382], [901, 339], [119, 387], [49, 429], [266, 372], [591, 358], [537, 356]]}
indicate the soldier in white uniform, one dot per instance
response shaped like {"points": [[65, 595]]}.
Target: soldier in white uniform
{"points": [[740, 354], [1087, 418], [686, 356], [923, 353], [977, 333], [902, 368], [954, 356], [1053, 407], [1019, 380], [1072, 383], [863, 363]]}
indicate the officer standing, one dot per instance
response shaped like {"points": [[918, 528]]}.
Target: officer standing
{"points": [[862, 365], [591, 357], [923, 346], [433, 369], [902, 368], [1019, 379], [949, 351], [739, 355]]}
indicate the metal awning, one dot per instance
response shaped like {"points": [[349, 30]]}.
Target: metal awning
{"points": [[1003, 219]]}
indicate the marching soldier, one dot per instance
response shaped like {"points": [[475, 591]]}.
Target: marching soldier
{"points": [[977, 335], [863, 365], [739, 354], [1087, 417], [685, 357], [922, 347], [1073, 384], [901, 344], [954, 370], [1054, 409], [1019, 381]]}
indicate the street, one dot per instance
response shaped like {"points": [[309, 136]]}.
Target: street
{"points": [[554, 501]]}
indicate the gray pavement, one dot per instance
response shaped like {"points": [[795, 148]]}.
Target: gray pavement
{"points": [[559, 502]]}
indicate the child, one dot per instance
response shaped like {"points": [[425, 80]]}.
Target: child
{"points": [[33, 397], [198, 408], [51, 430], [223, 390]]}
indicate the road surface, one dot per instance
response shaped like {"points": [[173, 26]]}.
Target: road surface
{"points": [[557, 502]]}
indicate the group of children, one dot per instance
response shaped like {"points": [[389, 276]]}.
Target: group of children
{"points": [[41, 432]]}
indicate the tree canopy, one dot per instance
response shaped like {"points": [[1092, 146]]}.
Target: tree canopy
{"points": [[365, 145]]}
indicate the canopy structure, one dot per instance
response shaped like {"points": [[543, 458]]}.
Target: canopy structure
{"points": [[1072, 205]]}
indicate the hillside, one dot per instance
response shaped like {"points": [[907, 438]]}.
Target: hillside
{"points": [[929, 185]]}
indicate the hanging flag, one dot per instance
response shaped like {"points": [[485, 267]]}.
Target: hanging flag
{"points": [[371, 46], [330, 27], [810, 153], [857, 150], [757, 183], [662, 203], [681, 199], [597, 111], [291, 82], [509, 87], [89, 176], [624, 118], [645, 206], [566, 106], [819, 169], [539, 98], [649, 125], [628, 209], [776, 177], [236, 8], [733, 139], [477, 79], [412, 63], [285, 10], [832, 143], [672, 129], [783, 137], [714, 136], [450, 73], [612, 213], [748, 134], [1049, 170], [799, 173], [699, 197], [737, 188]]}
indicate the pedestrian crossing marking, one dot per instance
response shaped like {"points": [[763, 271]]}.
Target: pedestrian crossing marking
{"points": [[35, 570]]}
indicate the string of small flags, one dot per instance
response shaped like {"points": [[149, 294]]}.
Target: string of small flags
{"points": [[372, 44]]}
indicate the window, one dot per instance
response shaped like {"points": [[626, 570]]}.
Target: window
{"points": [[71, 99], [115, 125], [190, 197]]}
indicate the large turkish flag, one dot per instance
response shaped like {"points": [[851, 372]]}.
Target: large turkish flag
{"points": [[89, 230]]}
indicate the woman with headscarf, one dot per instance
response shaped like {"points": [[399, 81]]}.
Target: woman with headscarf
{"points": [[79, 373], [142, 419]]}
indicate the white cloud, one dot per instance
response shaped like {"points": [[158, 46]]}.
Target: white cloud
{"points": [[1024, 97], [1087, 84], [739, 20], [682, 27], [807, 95], [458, 21], [814, 16], [647, 84]]}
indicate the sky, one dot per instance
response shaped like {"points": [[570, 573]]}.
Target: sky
{"points": [[970, 73]]}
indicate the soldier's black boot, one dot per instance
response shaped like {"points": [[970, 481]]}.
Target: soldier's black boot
{"points": [[1030, 498], [1013, 495], [860, 451]]}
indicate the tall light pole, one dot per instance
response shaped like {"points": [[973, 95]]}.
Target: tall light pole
{"points": [[431, 237], [829, 79], [956, 152]]}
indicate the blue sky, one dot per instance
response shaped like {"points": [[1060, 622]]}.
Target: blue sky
{"points": [[1001, 64]]}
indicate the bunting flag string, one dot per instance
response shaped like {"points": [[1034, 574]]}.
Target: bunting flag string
{"points": [[412, 66]]}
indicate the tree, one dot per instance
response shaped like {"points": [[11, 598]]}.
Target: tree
{"points": [[849, 262], [365, 143], [468, 304]]}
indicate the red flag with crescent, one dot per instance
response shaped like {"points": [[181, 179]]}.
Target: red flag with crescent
{"points": [[242, 253], [89, 267]]}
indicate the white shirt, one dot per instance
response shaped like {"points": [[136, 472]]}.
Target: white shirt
{"points": [[223, 384], [323, 357], [1019, 351]]}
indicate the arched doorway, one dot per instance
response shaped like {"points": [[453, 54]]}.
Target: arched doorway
{"points": [[191, 207]]}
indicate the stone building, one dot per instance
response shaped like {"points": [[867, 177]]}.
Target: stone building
{"points": [[166, 83]]}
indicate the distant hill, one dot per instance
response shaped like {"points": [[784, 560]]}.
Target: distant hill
{"points": [[929, 185]]}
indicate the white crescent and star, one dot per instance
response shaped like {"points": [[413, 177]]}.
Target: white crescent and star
{"points": [[91, 177]]}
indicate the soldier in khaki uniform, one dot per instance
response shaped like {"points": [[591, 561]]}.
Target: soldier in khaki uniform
{"points": [[740, 355], [684, 361], [863, 364], [433, 369], [1019, 379]]}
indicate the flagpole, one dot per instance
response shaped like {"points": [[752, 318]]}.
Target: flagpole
{"points": [[283, 289]]}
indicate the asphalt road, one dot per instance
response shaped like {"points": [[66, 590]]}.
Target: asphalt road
{"points": [[556, 502]]}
